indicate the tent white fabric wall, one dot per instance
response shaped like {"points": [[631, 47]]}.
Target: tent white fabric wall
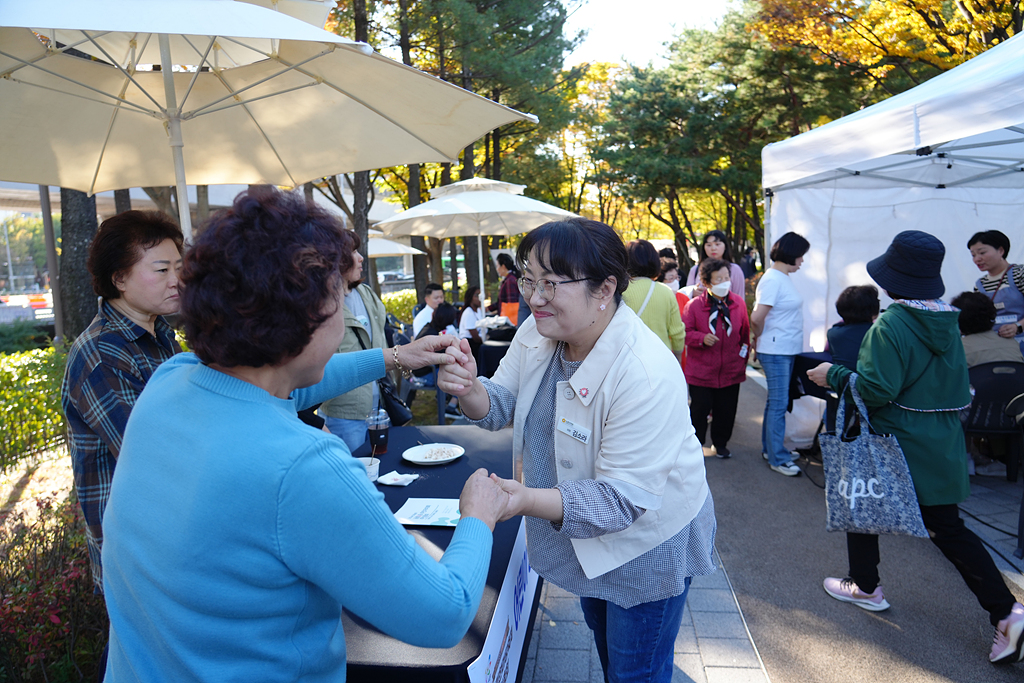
{"points": [[946, 157]]}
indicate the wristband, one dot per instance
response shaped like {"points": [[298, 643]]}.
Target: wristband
{"points": [[1020, 330], [398, 364]]}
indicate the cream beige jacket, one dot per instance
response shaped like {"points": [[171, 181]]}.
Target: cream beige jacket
{"points": [[629, 393]]}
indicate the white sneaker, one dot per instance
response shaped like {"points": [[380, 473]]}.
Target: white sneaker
{"points": [[992, 469], [789, 469]]}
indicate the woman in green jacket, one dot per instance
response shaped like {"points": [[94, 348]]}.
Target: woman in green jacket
{"points": [[912, 374]]}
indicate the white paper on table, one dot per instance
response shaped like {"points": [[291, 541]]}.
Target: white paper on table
{"points": [[429, 512]]}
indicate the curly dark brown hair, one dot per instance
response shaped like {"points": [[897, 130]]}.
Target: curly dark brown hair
{"points": [[261, 278]]}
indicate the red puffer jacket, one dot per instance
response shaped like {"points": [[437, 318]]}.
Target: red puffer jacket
{"points": [[720, 365]]}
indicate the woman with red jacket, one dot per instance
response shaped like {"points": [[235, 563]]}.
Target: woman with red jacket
{"points": [[717, 341]]}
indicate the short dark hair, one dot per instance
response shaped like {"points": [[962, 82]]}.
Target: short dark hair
{"points": [[504, 259], [720, 236], [789, 248], [857, 304], [667, 253], [444, 315], [578, 248], [470, 291], [666, 265], [977, 312], [431, 287], [119, 243], [643, 259], [710, 266], [262, 277], [992, 238]]}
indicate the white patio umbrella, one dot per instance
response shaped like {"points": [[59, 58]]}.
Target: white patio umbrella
{"points": [[478, 206], [376, 247], [242, 94]]}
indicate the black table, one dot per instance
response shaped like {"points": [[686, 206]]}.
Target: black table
{"points": [[378, 658], [491, 353]]}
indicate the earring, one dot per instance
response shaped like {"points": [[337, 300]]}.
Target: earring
{"points": [[603, 307]]}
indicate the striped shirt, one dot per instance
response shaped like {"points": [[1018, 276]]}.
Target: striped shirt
{"points": [[591, 508], [990, 284], [107, 368]]}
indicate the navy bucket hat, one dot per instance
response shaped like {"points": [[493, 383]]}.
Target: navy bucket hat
{"points": [[911, 266]]}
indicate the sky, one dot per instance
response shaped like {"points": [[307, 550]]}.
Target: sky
{"points": [[636, 30]]}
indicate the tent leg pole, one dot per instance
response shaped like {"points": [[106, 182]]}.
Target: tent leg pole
{"points": [[174, 138], [51, 263]]}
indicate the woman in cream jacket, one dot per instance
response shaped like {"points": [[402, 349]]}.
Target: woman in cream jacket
{"points": [[608, 470]]}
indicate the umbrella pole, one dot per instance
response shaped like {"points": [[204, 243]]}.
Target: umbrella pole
{"points": [[174, 138], [480, 263]]}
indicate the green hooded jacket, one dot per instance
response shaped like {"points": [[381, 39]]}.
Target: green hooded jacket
{"points": [[912, 375], [356, 404]]}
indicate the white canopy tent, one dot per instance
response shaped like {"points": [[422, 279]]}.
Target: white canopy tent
{"points": [[946, 157]]}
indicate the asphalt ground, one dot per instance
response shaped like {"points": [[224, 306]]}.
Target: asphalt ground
{"points": [[773, 543]]}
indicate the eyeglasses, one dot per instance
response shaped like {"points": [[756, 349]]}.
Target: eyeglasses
{"points": [[545, 288]]}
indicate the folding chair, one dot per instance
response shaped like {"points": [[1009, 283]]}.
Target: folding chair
{"points": [[995, 384]]}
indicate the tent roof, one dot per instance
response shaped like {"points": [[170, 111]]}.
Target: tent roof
{"points": [[963, 127]]}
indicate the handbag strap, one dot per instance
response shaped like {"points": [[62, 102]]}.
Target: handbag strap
{"points": [[646, 300], [862, 409]]}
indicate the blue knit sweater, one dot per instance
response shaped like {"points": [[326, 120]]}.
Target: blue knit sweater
{"points": [[235, 534]]}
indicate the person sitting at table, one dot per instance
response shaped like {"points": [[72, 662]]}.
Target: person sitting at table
{"points": [[858, 307], [654, 303], [982, 343], [433, 296], [234, 533], [718, 342], [472, 313], [365, 317], [609, 472]]}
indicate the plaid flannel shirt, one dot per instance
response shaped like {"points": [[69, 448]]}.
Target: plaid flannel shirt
{"points": [[107, 368]]}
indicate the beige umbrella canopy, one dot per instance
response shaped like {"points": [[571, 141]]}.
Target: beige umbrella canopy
{"points": [[242, 94], [478, 206]]}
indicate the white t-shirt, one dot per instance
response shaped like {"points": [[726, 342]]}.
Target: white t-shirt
{"points": [[783, 332], [421, 320], [468, 322]]}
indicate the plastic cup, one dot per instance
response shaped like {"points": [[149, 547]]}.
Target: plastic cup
{"points": [[378, 423], [372, 467]]}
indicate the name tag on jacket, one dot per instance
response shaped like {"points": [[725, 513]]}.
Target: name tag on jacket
{"points": [[574, 430]]}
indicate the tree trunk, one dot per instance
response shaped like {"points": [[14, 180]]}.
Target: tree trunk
{"points": [[202, 209], [122, 201], [78, 227], [434, 247], [307, 192], [161, 196], [469, 244], [419, 263]]}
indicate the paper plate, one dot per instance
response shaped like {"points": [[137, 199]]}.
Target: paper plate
{"points": [[433, 453]]}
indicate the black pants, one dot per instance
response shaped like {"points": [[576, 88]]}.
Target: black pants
{"points": [[704, 400], [960, 546]]}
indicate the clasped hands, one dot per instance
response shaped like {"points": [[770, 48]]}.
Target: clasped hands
{"points": [[492, 499]]}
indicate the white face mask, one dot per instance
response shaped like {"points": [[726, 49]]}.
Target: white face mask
{"points": [[674, 285], [721, 289]]}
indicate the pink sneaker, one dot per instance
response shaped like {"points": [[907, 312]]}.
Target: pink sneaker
{"points": [[1007, 645], [847, 591]]}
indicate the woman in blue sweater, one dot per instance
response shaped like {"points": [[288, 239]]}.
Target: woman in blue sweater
{"points": [[235, 533]]}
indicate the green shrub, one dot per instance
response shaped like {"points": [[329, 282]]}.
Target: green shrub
{"points": [[400, 304], [31, 419], [21, 335], [52, 626]]}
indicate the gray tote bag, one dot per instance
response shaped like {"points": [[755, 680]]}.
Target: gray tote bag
{"points": [[868, 488]]}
